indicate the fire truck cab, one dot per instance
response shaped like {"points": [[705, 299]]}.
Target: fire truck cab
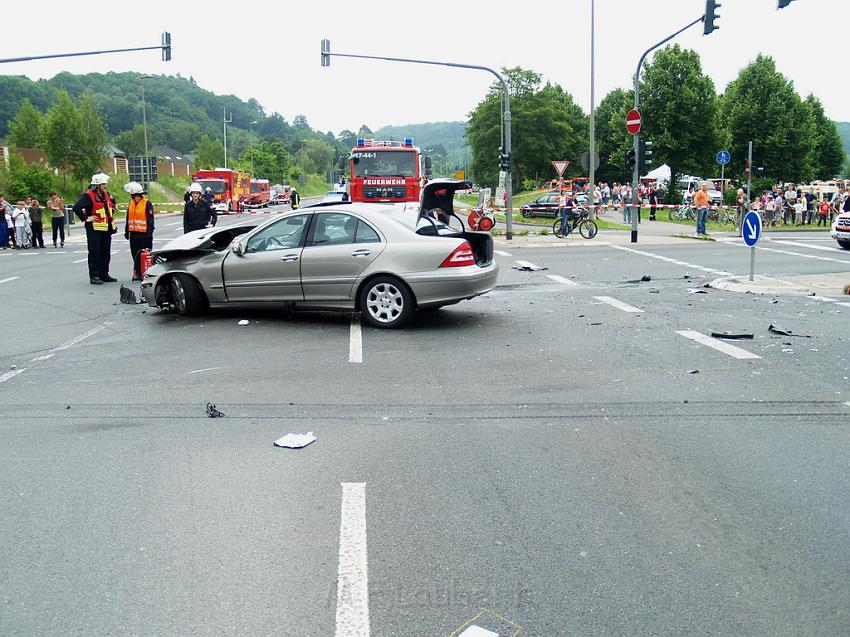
{"points": [[386, 171], [228, 187]]}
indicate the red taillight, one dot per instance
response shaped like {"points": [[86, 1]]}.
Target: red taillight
{"points": [[461, 256]]}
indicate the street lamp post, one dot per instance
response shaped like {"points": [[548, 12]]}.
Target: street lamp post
{"points": [[226, 122], [146, 166], [251, 136], [506, 128]]}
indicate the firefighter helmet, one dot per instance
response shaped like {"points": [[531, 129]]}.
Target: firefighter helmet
{"points": [[196, 187], [99, 179], [134, 188]]}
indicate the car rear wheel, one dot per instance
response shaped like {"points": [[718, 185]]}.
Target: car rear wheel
{"points": [[844, 243], [186, 295], [386, 302], [525, 212]]}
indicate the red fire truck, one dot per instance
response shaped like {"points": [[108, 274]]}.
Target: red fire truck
{"points": [[259, 195], [386, 171], [229, 187]]}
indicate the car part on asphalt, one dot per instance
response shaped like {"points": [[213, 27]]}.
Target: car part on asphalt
{"points": [[778, 330], [295, 441], [732, 335], [212, 412]]}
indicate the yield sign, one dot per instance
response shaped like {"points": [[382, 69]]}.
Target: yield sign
{"points": [[560, 166], [633, 121]]}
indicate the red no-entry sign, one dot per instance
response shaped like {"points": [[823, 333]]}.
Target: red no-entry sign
{"points": [[633, 122]]}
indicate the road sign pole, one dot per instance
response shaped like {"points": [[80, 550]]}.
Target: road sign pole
{"points": [[752, 262], [591, 198]]}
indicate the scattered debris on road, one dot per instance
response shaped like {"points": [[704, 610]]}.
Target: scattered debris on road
{"points": [[212, 412], [128, 296], [646, 277], [778, 330], [732, 335], [696, 291], [529, 268], [693, 371], [295, 441], [243, 322]]}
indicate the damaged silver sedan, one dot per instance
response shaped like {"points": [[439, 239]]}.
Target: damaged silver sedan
{"points": [[382, 260]]}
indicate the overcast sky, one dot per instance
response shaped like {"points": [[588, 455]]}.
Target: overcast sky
{"points": [[270, 50]]}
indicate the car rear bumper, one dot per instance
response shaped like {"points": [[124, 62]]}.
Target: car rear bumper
{"points": [[449, 285]]}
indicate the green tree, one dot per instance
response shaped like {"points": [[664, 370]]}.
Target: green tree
{"points": [[611, 135], [271, 161], [62, 133], [209, 153], [132, 141], [827, 150], [546, 124], [92, 142], [25, 129], [315, 156], [679, 112], [761, 106]]}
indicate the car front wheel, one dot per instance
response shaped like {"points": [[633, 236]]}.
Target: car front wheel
{"points": [[386, 302], [844, 243], [186, 295]]}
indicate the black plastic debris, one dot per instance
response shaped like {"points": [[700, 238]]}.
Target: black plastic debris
{"points": [[646, 277], [778, 330], [732, 335], [128, 296], [212, 412], [693, 371], [529, 268]]}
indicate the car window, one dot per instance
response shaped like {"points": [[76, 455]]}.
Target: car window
{"points": [[334, 228], [283, 235], [366, 233]]}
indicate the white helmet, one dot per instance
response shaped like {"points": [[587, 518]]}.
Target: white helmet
{"points": [[99, 179], [134, 188], [209, 189], [196, 187]]}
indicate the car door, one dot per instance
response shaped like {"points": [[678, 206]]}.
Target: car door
{"points": [[340, 246], [269, 269]]}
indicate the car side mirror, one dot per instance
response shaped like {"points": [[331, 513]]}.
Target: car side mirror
{"points": [[238, 247]]}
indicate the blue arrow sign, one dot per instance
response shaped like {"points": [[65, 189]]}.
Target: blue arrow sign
{"points": [[723, 157], [752, 228]]}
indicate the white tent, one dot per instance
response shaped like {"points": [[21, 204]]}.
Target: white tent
{"points": [[660, 174]]}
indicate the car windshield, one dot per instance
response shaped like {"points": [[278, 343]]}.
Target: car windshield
{"points": [[384, 163], [216, 186], [256, 188]]}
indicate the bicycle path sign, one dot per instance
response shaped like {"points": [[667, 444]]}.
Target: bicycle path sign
{"points": [[723, 157]]}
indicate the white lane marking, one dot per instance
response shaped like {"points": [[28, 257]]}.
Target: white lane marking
{"points": [[503, 253], [43, 357], [179, 223], [352, 591], [527, 264], [355, 345], [720, 346], [619, 304], [80, 251], [57, 252], [205, 369], [12, 374], [789, 252], [562, 279], [11, 278], [77, 339], [808, 245], [81, 260], [661, 257]]}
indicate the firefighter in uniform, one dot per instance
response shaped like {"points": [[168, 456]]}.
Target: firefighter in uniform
{"points": [[96, 210], [139, 226], [197, 213], [294, 198]]}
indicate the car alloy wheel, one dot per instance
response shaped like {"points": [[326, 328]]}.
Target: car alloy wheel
{"points": [[386, 302], [178, 295]]}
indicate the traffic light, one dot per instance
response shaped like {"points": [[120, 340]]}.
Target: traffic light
{"points": [[784, 3], [326, 52], [630, 159], [711, 15], [504, 160], [644, 154], [166, 46]]}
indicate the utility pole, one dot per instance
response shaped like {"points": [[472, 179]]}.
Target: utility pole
{"points": [[226, 122], [506, 128], [251, 136], [592, 161], [146, 166]]}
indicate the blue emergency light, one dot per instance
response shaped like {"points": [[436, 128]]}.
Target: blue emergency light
{"points": [[408, 141], [361, 141]]}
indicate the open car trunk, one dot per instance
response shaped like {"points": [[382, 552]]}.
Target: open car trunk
{"points": [[438, 195]]}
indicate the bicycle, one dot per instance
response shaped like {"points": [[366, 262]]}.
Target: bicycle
{"points": [[587, 227], [682, 213]]}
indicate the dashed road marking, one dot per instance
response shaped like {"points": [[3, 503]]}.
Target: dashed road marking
{"points": [[81, 260], [661, 257], [720, 346], [179, 223], [562, 279], [43, 357], [355, 345], [352, 593], [619, 304], [11, 278], [11, 374], [809, 245], [503, 253], [205, 369]]}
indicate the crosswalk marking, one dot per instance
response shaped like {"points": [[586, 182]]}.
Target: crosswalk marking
{"points": [[355, 345], [720, 346], [618, 304], [503, 253], [352, 595], [562, 279]]}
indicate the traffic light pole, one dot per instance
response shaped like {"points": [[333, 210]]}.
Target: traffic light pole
{"points": [[636, 169], [509, 231], [165, 47]]}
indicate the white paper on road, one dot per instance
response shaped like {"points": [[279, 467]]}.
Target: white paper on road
{"points": [[295, 441], [477, 631]]}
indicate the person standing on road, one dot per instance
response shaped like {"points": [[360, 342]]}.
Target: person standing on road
{"points": [[96, 209], [701, 201], [21, 218], [823, 212], [294, 198], [741, 210], [197, 213], [561, 202], [57, 217], [5, 223], [653, 201], [209, 197], [138, 228], [37, 223]]}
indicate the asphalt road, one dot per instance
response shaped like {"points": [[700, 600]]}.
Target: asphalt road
{"points": [[559, 457]]}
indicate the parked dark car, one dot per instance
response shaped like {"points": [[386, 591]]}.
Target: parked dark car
{"points": [[547, 205]]}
